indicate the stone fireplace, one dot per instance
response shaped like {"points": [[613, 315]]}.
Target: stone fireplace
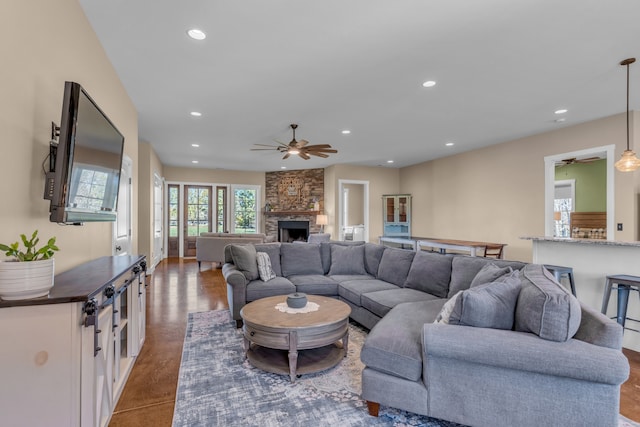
{"points": [[291, 231]]}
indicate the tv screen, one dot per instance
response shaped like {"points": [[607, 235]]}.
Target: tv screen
{"points": [[87, 164]]}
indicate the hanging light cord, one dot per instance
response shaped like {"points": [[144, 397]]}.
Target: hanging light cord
{"points": [[628, 63]]}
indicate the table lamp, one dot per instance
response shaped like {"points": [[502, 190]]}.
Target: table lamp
{"points": [[321, 220]]}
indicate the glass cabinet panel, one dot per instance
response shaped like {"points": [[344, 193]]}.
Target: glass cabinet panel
{"points": [[397, 215]]}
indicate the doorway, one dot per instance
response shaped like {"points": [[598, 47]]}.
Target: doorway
{"points": [[353, 210], [608, 152], [197, 215]]}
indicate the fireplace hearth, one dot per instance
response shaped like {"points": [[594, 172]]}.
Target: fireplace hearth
{"points": [[292, 231]]}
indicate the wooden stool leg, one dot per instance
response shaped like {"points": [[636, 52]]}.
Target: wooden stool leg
{"points": [[605, 296], [374, 408]]}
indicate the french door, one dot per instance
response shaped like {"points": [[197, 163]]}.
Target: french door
{"points": [[197, 215], [173, 219]]}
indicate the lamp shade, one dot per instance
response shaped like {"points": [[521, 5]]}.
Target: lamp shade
{"points": [[321, 220], [628, 162]]}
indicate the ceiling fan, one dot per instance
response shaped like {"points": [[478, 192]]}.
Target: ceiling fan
{"points": [[574, 160], [301, 148]]}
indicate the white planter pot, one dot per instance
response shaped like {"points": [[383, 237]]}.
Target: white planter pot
{"points": [[22, 280]]}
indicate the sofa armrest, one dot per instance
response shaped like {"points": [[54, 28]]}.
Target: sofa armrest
{"points": [[236, 289], [525, 352]]}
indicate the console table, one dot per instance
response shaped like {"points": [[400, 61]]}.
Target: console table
{"points": [[66, 357]]}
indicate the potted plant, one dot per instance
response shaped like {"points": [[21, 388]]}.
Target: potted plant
{"points": [[29, 271]]}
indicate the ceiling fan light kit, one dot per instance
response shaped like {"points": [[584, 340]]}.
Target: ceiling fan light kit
{"points": [[301, 148], [628, 162]]}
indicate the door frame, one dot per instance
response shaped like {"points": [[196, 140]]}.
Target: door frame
{"points": [[127, 165]]}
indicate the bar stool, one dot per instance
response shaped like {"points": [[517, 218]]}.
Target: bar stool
{"points": [[559, 271], [625, 284]]}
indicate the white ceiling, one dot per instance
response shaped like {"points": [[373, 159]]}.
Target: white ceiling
{"points": [[502, 68]]}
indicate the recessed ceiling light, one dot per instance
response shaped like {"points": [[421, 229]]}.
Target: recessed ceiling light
{"points": [[449, 144], [429, 83], [196, 113], [194, 161], [196, 34], [561, 111], [346, 132], [389, 161], [283, 167], [195, 145]]}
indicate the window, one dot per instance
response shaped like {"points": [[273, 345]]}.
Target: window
{"points": [[198, 208], [245, 209], [563, 205], [173, 210]]}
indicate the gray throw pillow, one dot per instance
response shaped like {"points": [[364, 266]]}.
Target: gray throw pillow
{"points": [[430, 273], [489, 273], [492, 305], [347, 260], [303, 258], [244, 258], [545, 307], [394, 265]]}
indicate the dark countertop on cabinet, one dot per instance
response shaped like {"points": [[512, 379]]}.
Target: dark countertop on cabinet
{"points": [[82, 282]]}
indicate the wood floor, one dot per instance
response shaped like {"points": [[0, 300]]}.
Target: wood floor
{"points": [[177, 288]]}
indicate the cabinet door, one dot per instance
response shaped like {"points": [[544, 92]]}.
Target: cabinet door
{"points": [[97, 371], [390, 209], [403, 205], [141, 312]]}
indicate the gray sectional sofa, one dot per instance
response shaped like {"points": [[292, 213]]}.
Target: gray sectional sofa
{"points": [[476, 341]]}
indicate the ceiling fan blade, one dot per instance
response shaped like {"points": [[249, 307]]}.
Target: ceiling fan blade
{"points": [[264, 149], [304, 155], [313, 153], [266, 145], [322, 150], [286, 156], [319, 146], [302, 143]]}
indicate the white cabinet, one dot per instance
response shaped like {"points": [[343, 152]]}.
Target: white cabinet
{"points": [[396, 210], [64, 360]]}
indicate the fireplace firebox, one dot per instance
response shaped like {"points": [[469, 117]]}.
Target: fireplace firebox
{"points": [[291, 231]]}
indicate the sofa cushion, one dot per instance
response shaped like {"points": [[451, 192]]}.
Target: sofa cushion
{"points": [[258, 289], [394, 345], [265, 271], [353, 290], [273, 249], [380, 302], [325, 252], [489, 273], [315, 284], [545, 307], [395, 265], [244, 257], [465, 268], [430, 272], [348, 277], [300, 259], [491, 305], [372, 256], [347, 260]]}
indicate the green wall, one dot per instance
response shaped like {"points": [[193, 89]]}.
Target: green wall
{"points": [[591, 184]]}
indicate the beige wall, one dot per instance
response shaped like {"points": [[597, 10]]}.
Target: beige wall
{"points": [[497, 193], [149, 164], [356, 202], [42, 44], [381, 181]]}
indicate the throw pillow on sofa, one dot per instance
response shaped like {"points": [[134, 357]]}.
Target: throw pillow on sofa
{"points": [[430, 273], [265, 271], [244, 257], [300, 259], [446, 310], [489, 273], [347, 260], [545, 307], [491, 305]]}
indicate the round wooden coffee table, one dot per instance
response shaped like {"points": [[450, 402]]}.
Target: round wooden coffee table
{"points": [[295, 343]]}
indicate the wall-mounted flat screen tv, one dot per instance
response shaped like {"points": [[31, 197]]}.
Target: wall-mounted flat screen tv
{"points": [[83, 183]]}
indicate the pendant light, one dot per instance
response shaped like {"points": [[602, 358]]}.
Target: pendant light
{"points": [[628, 162]]}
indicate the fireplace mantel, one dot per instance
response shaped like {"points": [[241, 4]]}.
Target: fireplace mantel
{"points": [[292, 213]]}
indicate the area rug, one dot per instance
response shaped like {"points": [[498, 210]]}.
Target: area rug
{"points": [[218, 387]]}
